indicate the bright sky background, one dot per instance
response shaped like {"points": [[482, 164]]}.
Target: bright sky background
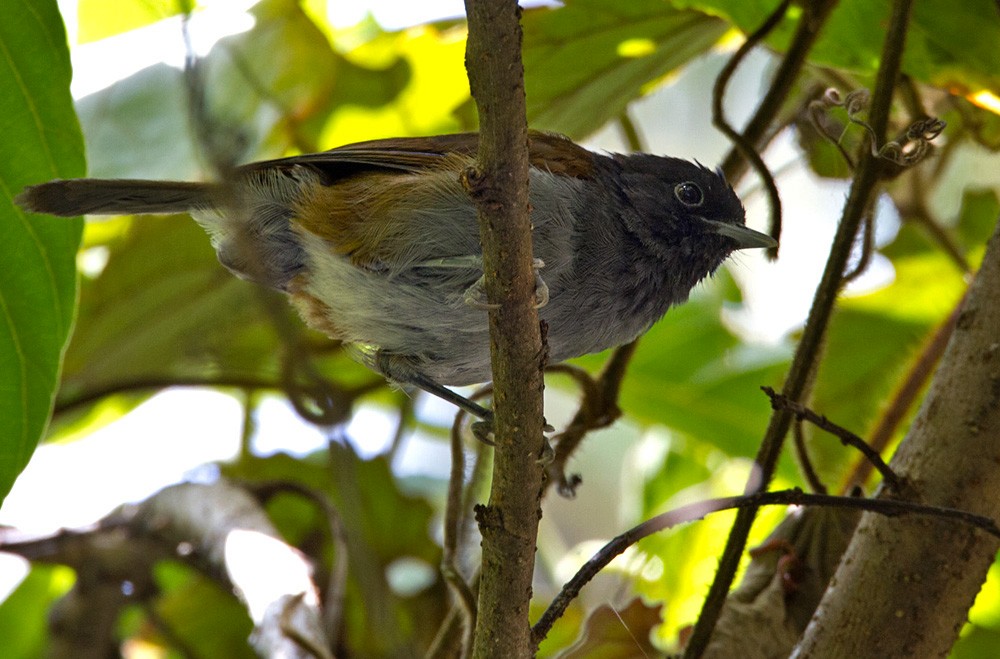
{"points": [[167, 438]]}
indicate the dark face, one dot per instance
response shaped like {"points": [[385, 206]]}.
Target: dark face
{"points": [[680, 208]]}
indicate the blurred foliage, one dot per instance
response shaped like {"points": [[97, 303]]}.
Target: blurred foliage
{"points": [[156, 309], [99, 19], [617, 633], [24, 613], [627, 48], [951, 45], [218, 627]]}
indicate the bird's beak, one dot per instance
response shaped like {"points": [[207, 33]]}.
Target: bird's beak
{"points": [[745, 237]]}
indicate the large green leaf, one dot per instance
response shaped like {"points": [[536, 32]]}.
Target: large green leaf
{"points": [[136, 128], [41, 140], [404, 83], [586, 61], [268, 83], [871, 342], [261, 94], [164, 311], [693, 375], [950, 44], [162, 307]]}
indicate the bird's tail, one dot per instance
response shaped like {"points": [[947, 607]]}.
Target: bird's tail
{"points": [[115, 197]]}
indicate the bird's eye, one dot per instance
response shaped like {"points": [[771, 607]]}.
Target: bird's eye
{"points": [[689, 194]]}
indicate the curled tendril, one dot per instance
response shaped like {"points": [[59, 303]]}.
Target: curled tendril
{"points": [[906, 150], [926, 129], [857, 101], [818, 113]]}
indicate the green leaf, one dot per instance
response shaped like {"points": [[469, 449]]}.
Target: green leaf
{"points": [[274, 82], [404, 83], [953, 45], [871, 342], [691, 374], [200, 614], [41, 140], [23, 625], [950, 44], [381, 525], [266, 91], [585, 61], [136, 128], [164, 311], [617, 632], [977, 217], [978, 643]]}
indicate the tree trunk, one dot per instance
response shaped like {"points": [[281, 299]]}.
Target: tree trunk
{"points": [[905, 584]]}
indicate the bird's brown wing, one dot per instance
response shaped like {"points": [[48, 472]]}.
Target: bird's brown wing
{"points": [[547, 151], [390, 217]]}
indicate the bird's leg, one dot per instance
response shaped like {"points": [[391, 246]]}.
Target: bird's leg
{"points": [[398, 368]]}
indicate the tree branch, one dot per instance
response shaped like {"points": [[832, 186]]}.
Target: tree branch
{"points": [[509, 524], [220, 530], [699, 509], [806, 353], [927, 573]]}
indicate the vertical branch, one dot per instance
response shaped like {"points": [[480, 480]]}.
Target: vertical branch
{"points": [[862, 190], [509, 523]]}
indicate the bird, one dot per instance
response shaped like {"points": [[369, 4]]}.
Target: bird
{"points": [[376, 243]]}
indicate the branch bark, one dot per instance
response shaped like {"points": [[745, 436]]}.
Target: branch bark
{"points": [[927, 571], [862, 191], [220, 530], [509, 523]]}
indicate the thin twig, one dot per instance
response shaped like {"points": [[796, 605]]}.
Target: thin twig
{"points": [[867, 247], [445, 641], [248, 427], [481, 468], [814, 15], [745, 146], [808, 349], [598, 409], [464, 609], [805, 462], [442, 646], [403, 424], [464, 599], [698, 510], [847, 437], [817, 111]]}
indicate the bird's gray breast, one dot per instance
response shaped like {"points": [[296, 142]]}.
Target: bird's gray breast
{"points": [[612, 289]]}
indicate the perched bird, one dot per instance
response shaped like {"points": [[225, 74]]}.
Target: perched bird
{"points": [[377, 243]]}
